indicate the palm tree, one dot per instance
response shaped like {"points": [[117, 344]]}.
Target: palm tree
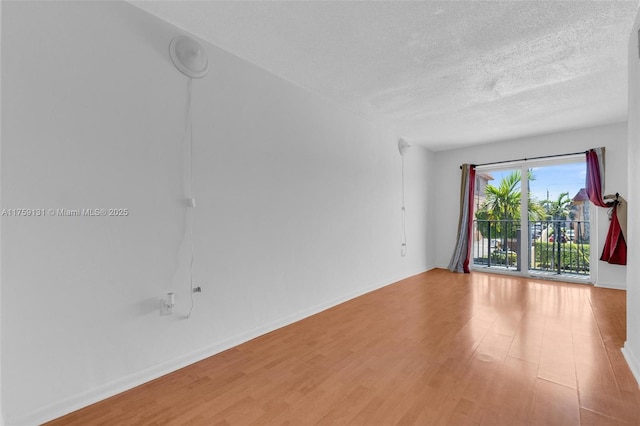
{"points": [[558, 209], [502, 205], [503, 201], [536, 210]]}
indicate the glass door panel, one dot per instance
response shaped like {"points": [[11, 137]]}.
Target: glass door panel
{"points": [[497, 219], [559, 228]]}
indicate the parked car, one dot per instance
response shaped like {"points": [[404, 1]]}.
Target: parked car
{"points": [[563, 239]]}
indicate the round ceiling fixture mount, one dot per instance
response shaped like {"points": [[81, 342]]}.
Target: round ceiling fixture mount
{"points": [[189, 57], [403, 146]]}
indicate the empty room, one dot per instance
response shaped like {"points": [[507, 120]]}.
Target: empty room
{"points": [[319, 212]]}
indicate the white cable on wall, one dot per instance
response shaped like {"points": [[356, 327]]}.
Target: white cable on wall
{"points": [[191, 60], [189, 192], [403, 243], [402, 147]]}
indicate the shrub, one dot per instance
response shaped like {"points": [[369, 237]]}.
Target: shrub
{"points": [[573, 257], [502, 258]]}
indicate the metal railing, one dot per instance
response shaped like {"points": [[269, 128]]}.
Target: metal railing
{"points": [[555, 246]]}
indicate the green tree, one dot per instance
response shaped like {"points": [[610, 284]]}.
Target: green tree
{"points": [[558, 209], [501, 209], [503, 201], [536, 210]]}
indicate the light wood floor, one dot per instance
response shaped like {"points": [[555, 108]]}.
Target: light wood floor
{"points": [[435, 349]]}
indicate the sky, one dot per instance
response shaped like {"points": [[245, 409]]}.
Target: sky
{"points": [[556, 179]]}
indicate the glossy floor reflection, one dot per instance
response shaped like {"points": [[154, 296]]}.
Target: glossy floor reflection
{"points": [[435, 349]]}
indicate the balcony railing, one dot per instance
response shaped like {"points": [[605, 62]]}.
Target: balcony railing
{"points": [[555, 246]]}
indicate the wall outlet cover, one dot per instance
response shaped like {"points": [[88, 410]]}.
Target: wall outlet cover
{"points": [[165, 308]]}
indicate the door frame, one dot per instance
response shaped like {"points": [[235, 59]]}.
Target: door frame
{"points": [[524, 271]]}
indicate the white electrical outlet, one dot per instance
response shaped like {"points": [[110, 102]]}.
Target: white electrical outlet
{"points": [[167, 304], [166, 309]]}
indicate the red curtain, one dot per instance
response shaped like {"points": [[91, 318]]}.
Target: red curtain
{"points": [[615, 247], [462, 254], [595, 176], [470, 195]]}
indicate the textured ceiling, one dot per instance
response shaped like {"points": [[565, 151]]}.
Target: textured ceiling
{"points": [[442, 74]]}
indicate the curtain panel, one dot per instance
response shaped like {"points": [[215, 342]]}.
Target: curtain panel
{"points": [[615, 246], [462, 253], [595, 176]]}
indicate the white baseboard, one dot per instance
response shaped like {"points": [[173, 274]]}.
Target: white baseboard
{"points": [[76, 402], [426, 269], [632, 361], [561, 278], [615, 286]]}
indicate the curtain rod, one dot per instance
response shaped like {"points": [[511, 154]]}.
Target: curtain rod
{"points": [[532, 158]]}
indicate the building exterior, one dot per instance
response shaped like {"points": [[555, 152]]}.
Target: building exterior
{"points": [[579, 215]]}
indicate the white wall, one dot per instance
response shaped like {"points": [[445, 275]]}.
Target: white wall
{"points": [[298, 205], [632, 345], [613, 137], [1, 411]]}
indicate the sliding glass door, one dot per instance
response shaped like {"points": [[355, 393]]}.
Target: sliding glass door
{"points": [[533, 219], [561, 233], [497, 219]]}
